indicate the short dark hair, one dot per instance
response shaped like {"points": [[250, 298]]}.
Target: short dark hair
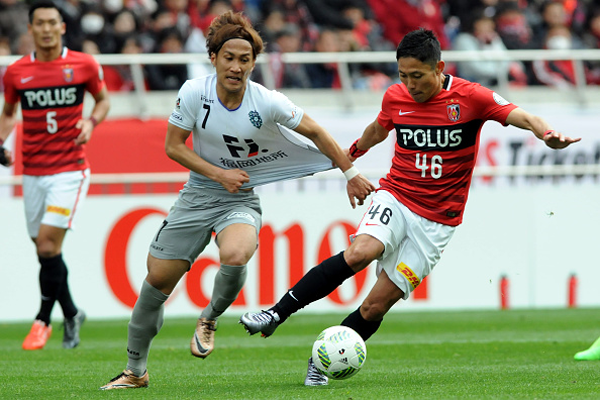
{"points": [[421, 44], [43, 4]]}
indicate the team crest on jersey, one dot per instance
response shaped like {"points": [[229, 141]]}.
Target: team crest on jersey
{"points": [[453, 111], [255, 119], [68, 73]]}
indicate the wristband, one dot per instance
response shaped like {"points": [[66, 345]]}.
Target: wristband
{"points": [[94, 121], [351, 173], [355, 151], [548, 132]]}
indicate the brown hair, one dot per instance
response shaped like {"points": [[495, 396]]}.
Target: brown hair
{"points": [[230, 25]]}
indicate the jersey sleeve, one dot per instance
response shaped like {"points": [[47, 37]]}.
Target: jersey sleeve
{"points": [[96, 82], [284, 111], [183, 115], [10, 92], [384, 118], [493, 106]]}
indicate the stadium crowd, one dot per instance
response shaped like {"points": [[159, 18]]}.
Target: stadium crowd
{"points": [[179, 26]]}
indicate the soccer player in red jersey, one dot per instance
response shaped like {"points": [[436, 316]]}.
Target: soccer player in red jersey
{"points": [[437, 119], [50, 84]]}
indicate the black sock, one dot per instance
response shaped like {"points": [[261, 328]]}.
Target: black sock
{"points": [[52, 274], [64, 296], [364, 328], [314, 285]]}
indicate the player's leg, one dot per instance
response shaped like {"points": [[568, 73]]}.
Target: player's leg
{"points": [[368, 317], [237, 243], [147, 319], [147, 316], [316, 284], [591, 354], [379, 233], [177, 243], [49, 277], [63, 196], [237, 220]]}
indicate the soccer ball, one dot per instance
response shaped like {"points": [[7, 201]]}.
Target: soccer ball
{"points": [[339, 352]]}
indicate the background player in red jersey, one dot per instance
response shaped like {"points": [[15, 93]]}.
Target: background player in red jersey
{"points": [[50, 84], [413, 215]]}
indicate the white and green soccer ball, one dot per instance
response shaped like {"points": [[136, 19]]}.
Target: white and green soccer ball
{"points": [[339, 352]]}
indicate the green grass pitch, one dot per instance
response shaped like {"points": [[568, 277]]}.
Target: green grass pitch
{"points": [[512, 354]]}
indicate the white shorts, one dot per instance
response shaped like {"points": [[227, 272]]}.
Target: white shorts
{"points": [[413, 244], [54, 200]]}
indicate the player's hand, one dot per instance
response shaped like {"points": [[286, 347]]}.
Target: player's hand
{"points": [[233, 179], [86, 127], [5, 157], [557, 140], [359, 188]]}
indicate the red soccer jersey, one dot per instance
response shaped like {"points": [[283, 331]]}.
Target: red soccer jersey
{"points": [[436, 145], [51, 95]]}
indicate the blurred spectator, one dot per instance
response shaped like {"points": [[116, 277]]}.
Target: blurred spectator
{"points": [[324, 76], [288, 75], [173, 14], [274, 22], [72, 11], [554, 13], [367, 33], [167, 76], [398, 17], [4, 51], [591, 40], [124, 25], [90, 47], [288, 12], [559, 73], [25, 44], [196, 43], [328, 12], [591, 37], [96, 28], [14, 17], [479, 33], [513, 27]]}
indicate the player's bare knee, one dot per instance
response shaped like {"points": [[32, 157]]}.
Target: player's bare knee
{"points": [[235, 257], [359, 256], [47, 249]]}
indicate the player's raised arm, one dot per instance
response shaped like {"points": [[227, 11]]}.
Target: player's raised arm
{"points": [[540, 128], [358, 186]]}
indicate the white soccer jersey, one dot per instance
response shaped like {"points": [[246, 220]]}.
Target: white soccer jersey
{"points": [[250, 137]]}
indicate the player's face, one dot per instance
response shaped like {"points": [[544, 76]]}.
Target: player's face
{"points": [[47, 28], [421, 80], [234, 63]]}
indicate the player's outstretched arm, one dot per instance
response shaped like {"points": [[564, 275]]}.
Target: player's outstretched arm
{"points": [[358, 187], [540, 128]]}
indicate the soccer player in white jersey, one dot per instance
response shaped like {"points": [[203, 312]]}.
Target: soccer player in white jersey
{"points": [[234, 123]]}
